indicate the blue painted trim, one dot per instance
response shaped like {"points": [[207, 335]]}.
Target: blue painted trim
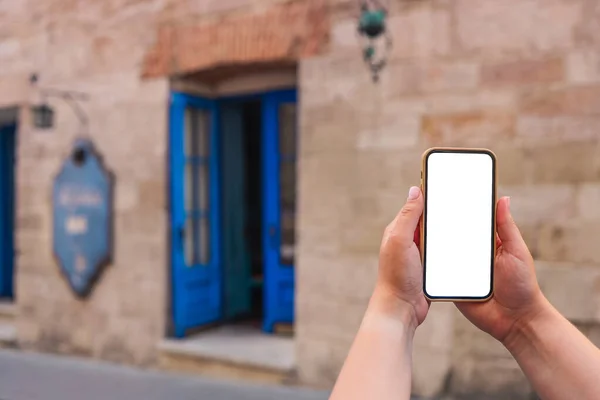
{"points": [[176, 120], [275, 275], [215, 208], [7, 187], [193, 284]]}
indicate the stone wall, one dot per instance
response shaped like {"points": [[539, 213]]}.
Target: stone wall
{"points": [[108, 50], [96, 48], [521, 77]]}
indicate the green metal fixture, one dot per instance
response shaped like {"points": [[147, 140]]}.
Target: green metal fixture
{"points": [[376, 40]]}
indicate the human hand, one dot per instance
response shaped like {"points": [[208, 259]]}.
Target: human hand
{"points": [[517, 295], [400, 277]]}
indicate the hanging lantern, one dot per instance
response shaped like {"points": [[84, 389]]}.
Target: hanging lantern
{"points": [[43, 116], [376, 40]]}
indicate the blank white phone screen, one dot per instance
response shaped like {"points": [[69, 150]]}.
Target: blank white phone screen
{"points": [[458, 224]]}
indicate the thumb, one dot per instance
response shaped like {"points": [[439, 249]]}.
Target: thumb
{"points": [[508, 232], [404, 225]]}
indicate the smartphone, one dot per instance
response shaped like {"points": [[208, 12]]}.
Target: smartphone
{"points": [[458, 239]]}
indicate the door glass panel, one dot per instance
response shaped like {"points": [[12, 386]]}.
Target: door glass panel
{"points": [[202, 244], [202, 186], [287, 130], [190, 259], [287, 182], [197, 186], [189, 185], [196, 132]]}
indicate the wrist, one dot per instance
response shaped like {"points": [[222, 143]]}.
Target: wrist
{"points": [[388, 306], [524, 329]]}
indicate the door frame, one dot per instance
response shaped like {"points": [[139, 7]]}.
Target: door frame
{"points": [[269, 193]]}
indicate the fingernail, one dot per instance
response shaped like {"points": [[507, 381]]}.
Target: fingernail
{"points": [[508, 203], [413, 193]]}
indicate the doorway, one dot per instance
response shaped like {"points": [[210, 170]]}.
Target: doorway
{"points": [[233, 188]]}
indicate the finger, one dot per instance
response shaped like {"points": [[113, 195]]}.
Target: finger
{"points": [[508, 232], [498, 241], [404, 225]]}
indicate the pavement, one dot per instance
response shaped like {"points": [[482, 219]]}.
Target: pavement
{"points": [[32, 376]]}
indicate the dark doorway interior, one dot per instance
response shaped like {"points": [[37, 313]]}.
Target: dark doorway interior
{"points": [[242, 194], [253, 200]]}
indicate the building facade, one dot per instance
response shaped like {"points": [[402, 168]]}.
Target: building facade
{"points": [[256, 165]]}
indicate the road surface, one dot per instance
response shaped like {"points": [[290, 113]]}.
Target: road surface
{"points": [[29, 376]]}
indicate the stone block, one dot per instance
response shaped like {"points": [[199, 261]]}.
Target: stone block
{"points": [[340, 77], [531, 235], [523, 72], [470, 342], [492, 378], [540, 203], [587, 32], [583, 66], [410, 78], [15, 88], [333, 128], [569, 241], [477, 128], [451, 77], [126, 195], [319, 361], [390, 132], [437, 332], [514, 165], [349, 278], [450, 103], [388, 173], [564, 162], [421, 32], [581, 101], [572, 289], [153, 195], [430, 371], [588, 201], [496, 29], [556, 130]]}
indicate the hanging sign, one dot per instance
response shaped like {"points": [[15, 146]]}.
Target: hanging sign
{"points": [[82, 210]]}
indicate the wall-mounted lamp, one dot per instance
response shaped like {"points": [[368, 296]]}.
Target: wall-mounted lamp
{"points": [[377, 42], [43, 113], [43, 116]]}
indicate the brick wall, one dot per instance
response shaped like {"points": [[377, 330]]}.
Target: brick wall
{"points": [[520, 77]]}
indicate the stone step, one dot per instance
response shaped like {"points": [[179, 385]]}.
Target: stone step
{"points": [[232, 352], [8, 335], [8, 312]]}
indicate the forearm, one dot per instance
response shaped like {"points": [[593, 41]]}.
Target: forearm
{"points": [[559, 361], [379, 363]]}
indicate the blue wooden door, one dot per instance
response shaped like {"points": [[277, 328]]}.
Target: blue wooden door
{"points": [[196, 270], [279, 177], [7, 160]]}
